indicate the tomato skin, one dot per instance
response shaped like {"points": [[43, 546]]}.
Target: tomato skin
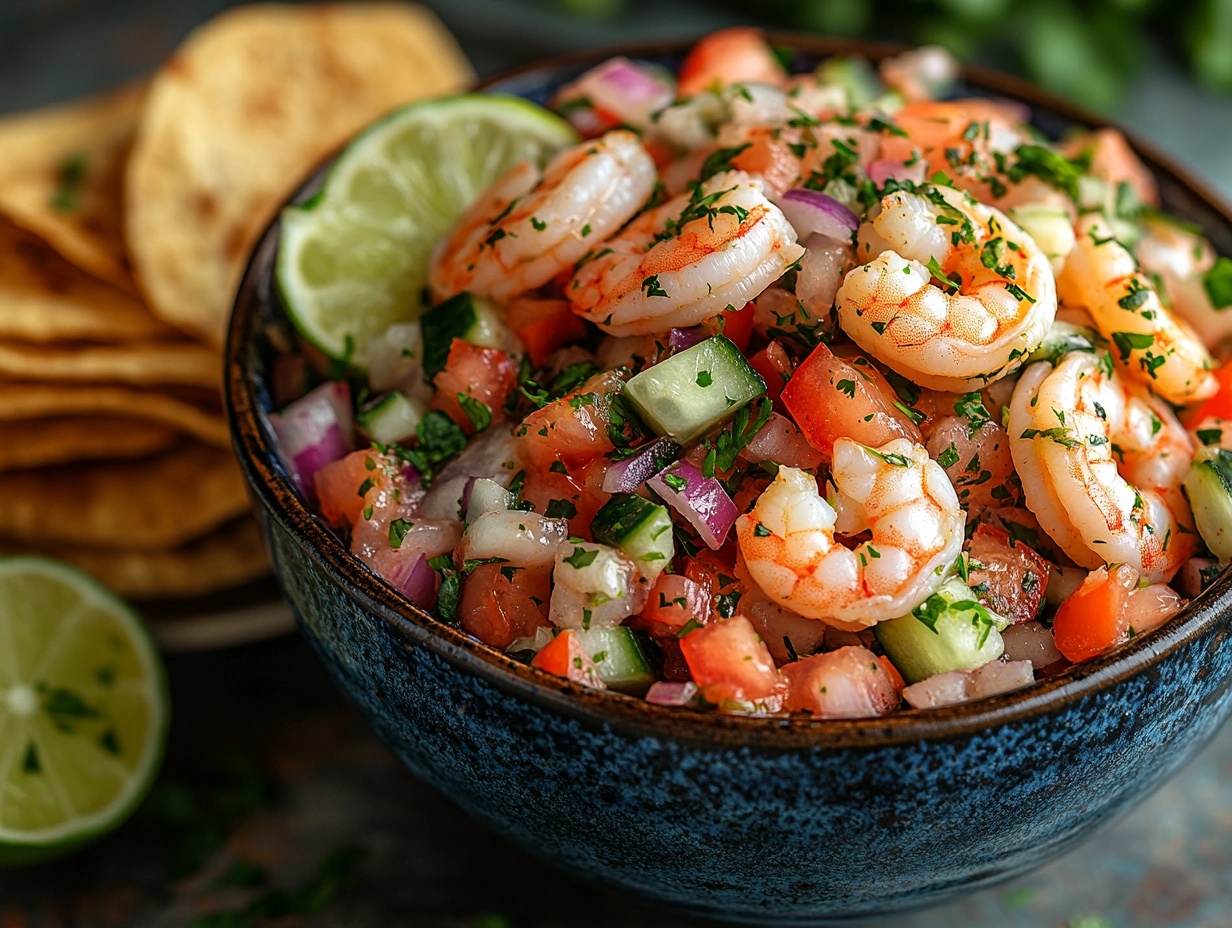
{"points": [[580, 487], [565, 656], [487, 374], [729, 56], [1218, 406], [568, 430], [729, 663], [1096, 617], [774, 366], [498, 607], [735, 324], [544, 325], [831, 397], [675, 600], [338, 485], [1013, 578]]}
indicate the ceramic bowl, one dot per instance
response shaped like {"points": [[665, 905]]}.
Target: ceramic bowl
{"points": [[772, 821]]}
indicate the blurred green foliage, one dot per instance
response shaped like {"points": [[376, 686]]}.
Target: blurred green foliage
{"points": [[1087, 50]]}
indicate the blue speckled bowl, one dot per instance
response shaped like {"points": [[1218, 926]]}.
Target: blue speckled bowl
{"points": [[768, 821]]}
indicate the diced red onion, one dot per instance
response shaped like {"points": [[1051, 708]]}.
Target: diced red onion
{"points": [[1030, 641], [627, 475], [664, 693], [417, 581], [680, 339], [626, 89], [884, 169], [812, 211], [315, 430], [702, 501], [955, 686]]}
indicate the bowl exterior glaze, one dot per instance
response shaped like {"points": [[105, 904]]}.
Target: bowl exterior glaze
{"points": [[750, 820]]}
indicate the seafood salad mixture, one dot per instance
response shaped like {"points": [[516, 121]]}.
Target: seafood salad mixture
{"points": [[795, 393]]}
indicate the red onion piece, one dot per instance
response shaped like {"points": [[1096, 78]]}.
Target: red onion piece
{"points": [[664, 693], [627, 475], [701, 500], [626, 89], [680, 339], [812, 211], [315, 430], [416, 580]]}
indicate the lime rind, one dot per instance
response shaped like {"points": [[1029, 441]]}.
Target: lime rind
{"points": [[27, 846], [353, 259]]}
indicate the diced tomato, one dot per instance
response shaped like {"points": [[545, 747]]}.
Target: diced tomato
{"points": [[1010, 579], [573, 493], [566, 657], [716, 575], [500, 603], [729, 56], [775, 367], [1218, 406], [787, 635], [769, 155], [729, 663], [849, 683], [544, 325], [1096, 617], [484, 374], [831, 397], [675, 600], [571, 430], [350, 485], [736, 324]]}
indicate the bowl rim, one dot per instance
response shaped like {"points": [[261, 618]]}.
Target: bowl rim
{"points": [[1210, 612]]}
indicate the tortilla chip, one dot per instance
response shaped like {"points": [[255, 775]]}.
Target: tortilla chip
{"points": [[150, 504], [37, 400], [43, 298], [228, 557], [61, 177], [187, 363], [42, 442], [236, 119]]}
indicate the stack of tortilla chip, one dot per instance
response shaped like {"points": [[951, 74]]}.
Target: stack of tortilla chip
{"points": [[125, 223]]}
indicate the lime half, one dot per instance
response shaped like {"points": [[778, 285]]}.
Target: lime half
{"points": [[83, 710], [354, 258]]}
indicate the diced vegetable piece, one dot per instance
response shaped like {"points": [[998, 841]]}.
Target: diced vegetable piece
{"points": [[518, 538], [734, 324], [391, 418], [1196, 575], [1005, 575], [685, 396], [1096, 617], [566, 657], [849, 683], [543, 326], [1218, 406], [948, 631], [774, 367], [594, 587], [730, 56], [1150, 607], [395, 358], [855, 75], [313, 431], [811, 211], [666, 693], [501, 603], [701, 500], [627, 475], [1030, 641], [474, 385], [621, 658], [1209, 487], [466, 317], [717, 577], [780, 441], [486, 495], [639, 528], [788, 636], [731, 665], [418, 582], [831, 397], [572, 430], [1063, 582], [955, 686], [674, 602], [346, 487]]}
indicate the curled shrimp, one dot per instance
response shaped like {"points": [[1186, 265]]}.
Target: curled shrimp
{"points": [[1101, 462], [687, 260], [1154, 346], [897, 492], [529, 227], [955, 293]]}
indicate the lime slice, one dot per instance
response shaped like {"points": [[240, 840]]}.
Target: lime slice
{"points": [[83, 710], [354, 258]]}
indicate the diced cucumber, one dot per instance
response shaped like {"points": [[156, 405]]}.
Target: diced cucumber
{"points": [[391, 418], [692, 392], [464, 316], [621, 657], [948, 631], [854, 75], [639, 528], [1209, 487]]}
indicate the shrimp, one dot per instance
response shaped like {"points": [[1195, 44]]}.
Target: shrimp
{"points": [[897, 491], [1101, 462], [688, 260], [1178, 259], [993, 307], [529, 227], [1153, 345]]}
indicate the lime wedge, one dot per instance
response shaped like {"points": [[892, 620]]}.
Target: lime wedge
{"points": [[83, 710], [354, 258]]}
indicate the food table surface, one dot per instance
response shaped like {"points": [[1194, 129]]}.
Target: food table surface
{"points": [[277, 801]]}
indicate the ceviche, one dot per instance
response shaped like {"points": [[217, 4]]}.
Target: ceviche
{"points": [[794, 393]]}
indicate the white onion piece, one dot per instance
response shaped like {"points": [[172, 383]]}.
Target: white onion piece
{"points": [[594, 587], [490, 455], [1151, 606], [955, 686], [395, 361], [825, 261], [486, 496], [782, 442], [520, 538], [811, 211], [1030, 641], [664, 693]]}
